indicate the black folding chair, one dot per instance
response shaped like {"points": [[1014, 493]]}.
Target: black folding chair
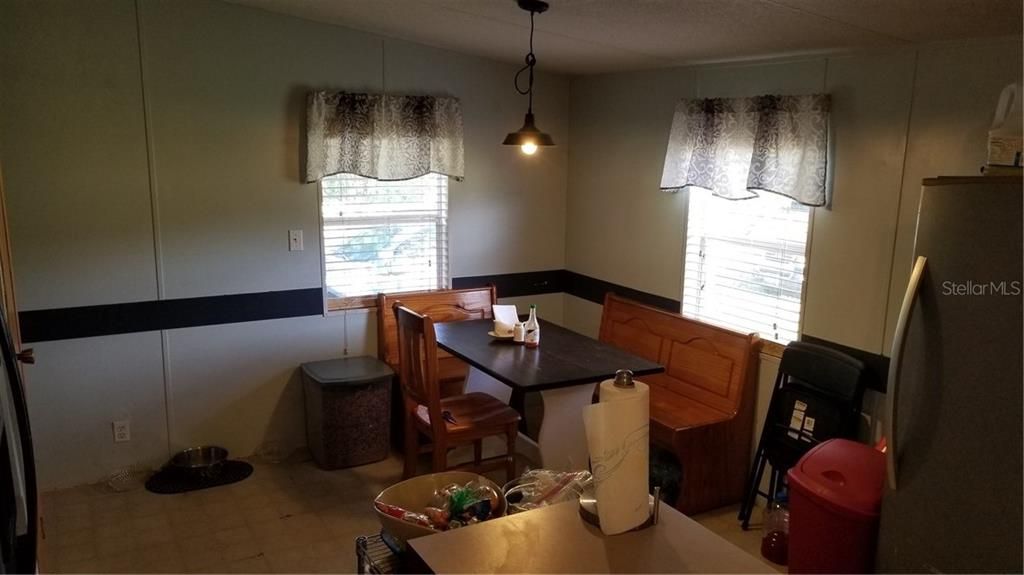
{"points": [[817, 397]]}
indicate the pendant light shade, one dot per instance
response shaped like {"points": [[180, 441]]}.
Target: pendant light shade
{"points": [[529, 137], [528, 134]]}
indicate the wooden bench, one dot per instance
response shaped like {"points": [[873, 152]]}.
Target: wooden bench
{"points": [[702, 406], [441, 306]]}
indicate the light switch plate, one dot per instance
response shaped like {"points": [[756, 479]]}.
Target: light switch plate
{"points": [[122, 431], [295, 241]]}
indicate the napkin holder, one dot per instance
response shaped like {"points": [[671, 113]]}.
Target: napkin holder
{"points": [[588, 509]]}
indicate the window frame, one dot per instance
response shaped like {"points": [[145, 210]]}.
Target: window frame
{"points": [[369, 301], [769, 346]]}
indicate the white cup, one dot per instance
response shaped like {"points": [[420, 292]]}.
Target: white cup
{"points": [[502, 329]]}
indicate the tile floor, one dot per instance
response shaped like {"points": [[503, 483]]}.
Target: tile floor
{"points": [[285, 518], [723, 522]]}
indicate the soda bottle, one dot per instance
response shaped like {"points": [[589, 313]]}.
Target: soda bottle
{"points": [[532, 338], [775, 542]]}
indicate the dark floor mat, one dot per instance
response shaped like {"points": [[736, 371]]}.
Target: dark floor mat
{"points": [[170, 480]]}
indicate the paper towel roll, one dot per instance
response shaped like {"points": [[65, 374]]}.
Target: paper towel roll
{"points": [[618, 431]]}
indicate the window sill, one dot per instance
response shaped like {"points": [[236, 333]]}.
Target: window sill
{"points": [[772, 348], [348, 303]]}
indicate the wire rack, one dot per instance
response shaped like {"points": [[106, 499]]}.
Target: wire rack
{"points": [[127, 479], [374, 556]]}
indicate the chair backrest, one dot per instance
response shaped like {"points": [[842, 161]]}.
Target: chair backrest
{"points": [[440, 305], [417, 352], [826, 370], [817, 396], [705, 363]]}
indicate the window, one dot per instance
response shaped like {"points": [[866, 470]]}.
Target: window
{"points": [[381, 236], [744, 266]]}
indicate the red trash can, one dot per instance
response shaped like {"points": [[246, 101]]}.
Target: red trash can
{"points": [[835, 493]]}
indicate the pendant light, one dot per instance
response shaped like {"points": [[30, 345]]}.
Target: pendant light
{"points": [[529, 138]]}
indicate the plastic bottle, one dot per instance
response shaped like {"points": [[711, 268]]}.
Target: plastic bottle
{"points": [[532, 338], [775, 542]]}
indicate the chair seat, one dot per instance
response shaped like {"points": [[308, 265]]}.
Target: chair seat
{"points": [[679, 412], [672, 414], [472, 412]]}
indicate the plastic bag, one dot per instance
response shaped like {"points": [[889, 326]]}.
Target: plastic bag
{"points": [[542, 487], [405, 515]]}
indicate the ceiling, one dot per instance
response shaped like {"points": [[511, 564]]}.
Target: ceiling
{"points": [[593, 36]]}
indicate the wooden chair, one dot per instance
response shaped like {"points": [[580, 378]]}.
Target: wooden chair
{"points": [[441, 306], [448, 421], [702, 406]]}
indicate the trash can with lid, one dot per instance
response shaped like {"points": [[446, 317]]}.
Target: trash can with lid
{"points": [[348, 410], [835, 494]]}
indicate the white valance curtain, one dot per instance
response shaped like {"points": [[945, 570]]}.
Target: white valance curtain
{"points": [[738, 147], [383, 136]]}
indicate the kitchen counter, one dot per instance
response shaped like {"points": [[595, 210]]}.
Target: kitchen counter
{"points": [[556, 540]]}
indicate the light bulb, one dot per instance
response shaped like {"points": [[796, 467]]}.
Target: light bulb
{"points": [[529, 148]]}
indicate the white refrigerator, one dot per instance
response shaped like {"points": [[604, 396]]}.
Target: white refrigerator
{"points": [[954, 423]]}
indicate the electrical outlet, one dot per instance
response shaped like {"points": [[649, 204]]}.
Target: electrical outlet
{"points": [[122, 431], [295, 240]]}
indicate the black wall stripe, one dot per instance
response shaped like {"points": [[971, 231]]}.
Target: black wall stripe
{"points": [[515, 285], [594, 290], [88, 321], [555, 281], [112, 319]]}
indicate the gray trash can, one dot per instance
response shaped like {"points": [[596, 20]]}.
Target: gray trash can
{"points": [[348, 410]]}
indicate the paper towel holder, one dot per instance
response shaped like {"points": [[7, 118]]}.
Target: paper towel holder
{"points": [[624, 378], [588, 509]]}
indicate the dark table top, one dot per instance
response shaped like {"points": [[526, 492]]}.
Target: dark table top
{"points": [[564, 358]]}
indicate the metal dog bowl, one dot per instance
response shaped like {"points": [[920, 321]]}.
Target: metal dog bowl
{"points": [[205, 460]]}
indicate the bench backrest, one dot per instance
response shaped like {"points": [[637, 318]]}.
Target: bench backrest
{"points": [[440, 305], [705, 363]]}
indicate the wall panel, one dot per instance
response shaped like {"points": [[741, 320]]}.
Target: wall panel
{"points": [[238, 385], [620, 228], [851, 243], [78, 388], [225, 89], [955, 94], [73, 153], [508, 214]]}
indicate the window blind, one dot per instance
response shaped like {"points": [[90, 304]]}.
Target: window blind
{"points": [[384, 236], [744, 263]]}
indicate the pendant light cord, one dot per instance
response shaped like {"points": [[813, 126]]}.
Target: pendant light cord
{"points": [[531, 61]]}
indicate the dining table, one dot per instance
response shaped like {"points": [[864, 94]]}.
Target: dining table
{"points": [[564, 369]]}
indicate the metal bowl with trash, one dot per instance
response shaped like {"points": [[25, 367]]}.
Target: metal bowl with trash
{"points": [[416, 493], [205, 460]]}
